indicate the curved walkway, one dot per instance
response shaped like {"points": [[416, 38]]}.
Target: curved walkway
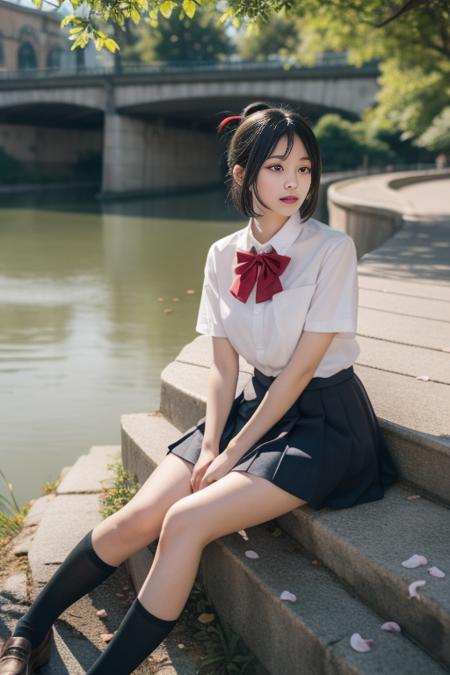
{"points": [[404, 299]]}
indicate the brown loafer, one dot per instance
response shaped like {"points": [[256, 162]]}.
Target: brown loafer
{"points": [[18, 658]]}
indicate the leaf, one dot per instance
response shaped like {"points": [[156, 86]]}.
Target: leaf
{"points": [[166, 8], [189, 7], [111, 45], [206, 617], [135, 16], [67, 19]]}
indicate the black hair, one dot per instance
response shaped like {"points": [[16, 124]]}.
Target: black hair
{"points": [[252, 139]]}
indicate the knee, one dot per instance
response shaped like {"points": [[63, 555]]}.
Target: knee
{"points": [[135, 524], [181, 522]]}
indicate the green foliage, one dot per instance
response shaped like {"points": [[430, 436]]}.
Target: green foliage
{"points": [[50, 487], [279, 36], [412, 48], [10, 523], [411, 40], [181, 40], [347, 145], [437, 137], [124, 488]]}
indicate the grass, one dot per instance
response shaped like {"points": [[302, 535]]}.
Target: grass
{"points": [[12, 515]]}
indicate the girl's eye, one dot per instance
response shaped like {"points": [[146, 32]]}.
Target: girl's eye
{"points": [[308, 170]]}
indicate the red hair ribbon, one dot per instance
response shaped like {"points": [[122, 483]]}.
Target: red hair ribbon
{"points": [[225, 121]]}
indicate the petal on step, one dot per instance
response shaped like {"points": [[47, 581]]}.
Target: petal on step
{"points": [[436, 572], [251, 554], [424, 378], [414, 561], [286, 595], [359, 644], [412, 588], [391, 626]]}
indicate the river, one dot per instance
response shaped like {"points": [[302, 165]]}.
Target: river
{"points": [[83, 336]]}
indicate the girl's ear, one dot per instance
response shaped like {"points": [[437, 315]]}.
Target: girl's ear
{"points": [[238, 174]]}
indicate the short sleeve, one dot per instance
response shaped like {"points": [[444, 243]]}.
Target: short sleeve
{"points": [[334, 305], [208, 319]]}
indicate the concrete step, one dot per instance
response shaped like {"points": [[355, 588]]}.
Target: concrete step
{"points": [[417, 433], [365, 547], [311, 635], [68, 515]]}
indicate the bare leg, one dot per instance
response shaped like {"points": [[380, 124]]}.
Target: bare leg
{"points": [[124, 532], [139, 522], [236, 501]]}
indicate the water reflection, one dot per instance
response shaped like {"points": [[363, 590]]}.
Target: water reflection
{"points": [[83, 337]]}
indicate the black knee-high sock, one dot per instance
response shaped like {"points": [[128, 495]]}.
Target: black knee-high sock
{"points": [[138, 635], [79, 573]]}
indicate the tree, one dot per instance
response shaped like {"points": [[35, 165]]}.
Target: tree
{"points": [[411, 38], [182, 40], [345, 145]]}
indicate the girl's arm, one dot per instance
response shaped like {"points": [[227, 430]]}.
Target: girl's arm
{"points": [[222, 382], [283, 392]]}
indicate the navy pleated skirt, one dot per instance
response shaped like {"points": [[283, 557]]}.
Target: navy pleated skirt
{"points": [[327, 449]]}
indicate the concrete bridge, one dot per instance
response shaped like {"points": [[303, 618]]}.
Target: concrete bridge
{"points": [[155, 128]]}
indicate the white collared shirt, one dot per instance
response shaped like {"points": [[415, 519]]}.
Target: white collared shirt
{"points": [[320, 294]]}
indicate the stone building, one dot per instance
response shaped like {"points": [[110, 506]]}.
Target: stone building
{"points": [[32, 39]]}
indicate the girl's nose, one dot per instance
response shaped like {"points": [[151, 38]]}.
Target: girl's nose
{"points": [[291, 183]]}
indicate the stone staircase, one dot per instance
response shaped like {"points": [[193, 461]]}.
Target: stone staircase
{"points": [[344, 565]]}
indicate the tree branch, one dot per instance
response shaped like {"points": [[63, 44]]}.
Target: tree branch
{"points": [[411, 4]]}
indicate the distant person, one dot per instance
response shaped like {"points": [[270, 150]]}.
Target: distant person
{"points": [[441, 160], [283, 293]]}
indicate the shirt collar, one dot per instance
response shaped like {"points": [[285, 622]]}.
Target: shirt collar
{"points": [[281, 240]]}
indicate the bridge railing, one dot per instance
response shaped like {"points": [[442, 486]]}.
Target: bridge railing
{"points": [[238, 65]]}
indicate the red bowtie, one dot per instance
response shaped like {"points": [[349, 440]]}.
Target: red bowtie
{"points": [[262, 268]]}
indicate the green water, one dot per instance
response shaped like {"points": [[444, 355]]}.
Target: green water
{"points": [[83, 337]]}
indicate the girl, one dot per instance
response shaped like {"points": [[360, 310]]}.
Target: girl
{"points": [[282, 292]]}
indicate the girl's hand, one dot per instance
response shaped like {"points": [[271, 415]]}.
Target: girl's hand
{"points": [[218, 468], [206, 457]]}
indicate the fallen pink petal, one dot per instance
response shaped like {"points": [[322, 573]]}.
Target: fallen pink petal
{"points": [[391, 626], [415, 561], [436, 572], [243, 534], [359, 644], [251, 554], [412, 588], [286, 595], [424, 378], [411, 497]]}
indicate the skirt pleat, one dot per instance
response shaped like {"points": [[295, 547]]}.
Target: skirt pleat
{"points": [[327, 449]]}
